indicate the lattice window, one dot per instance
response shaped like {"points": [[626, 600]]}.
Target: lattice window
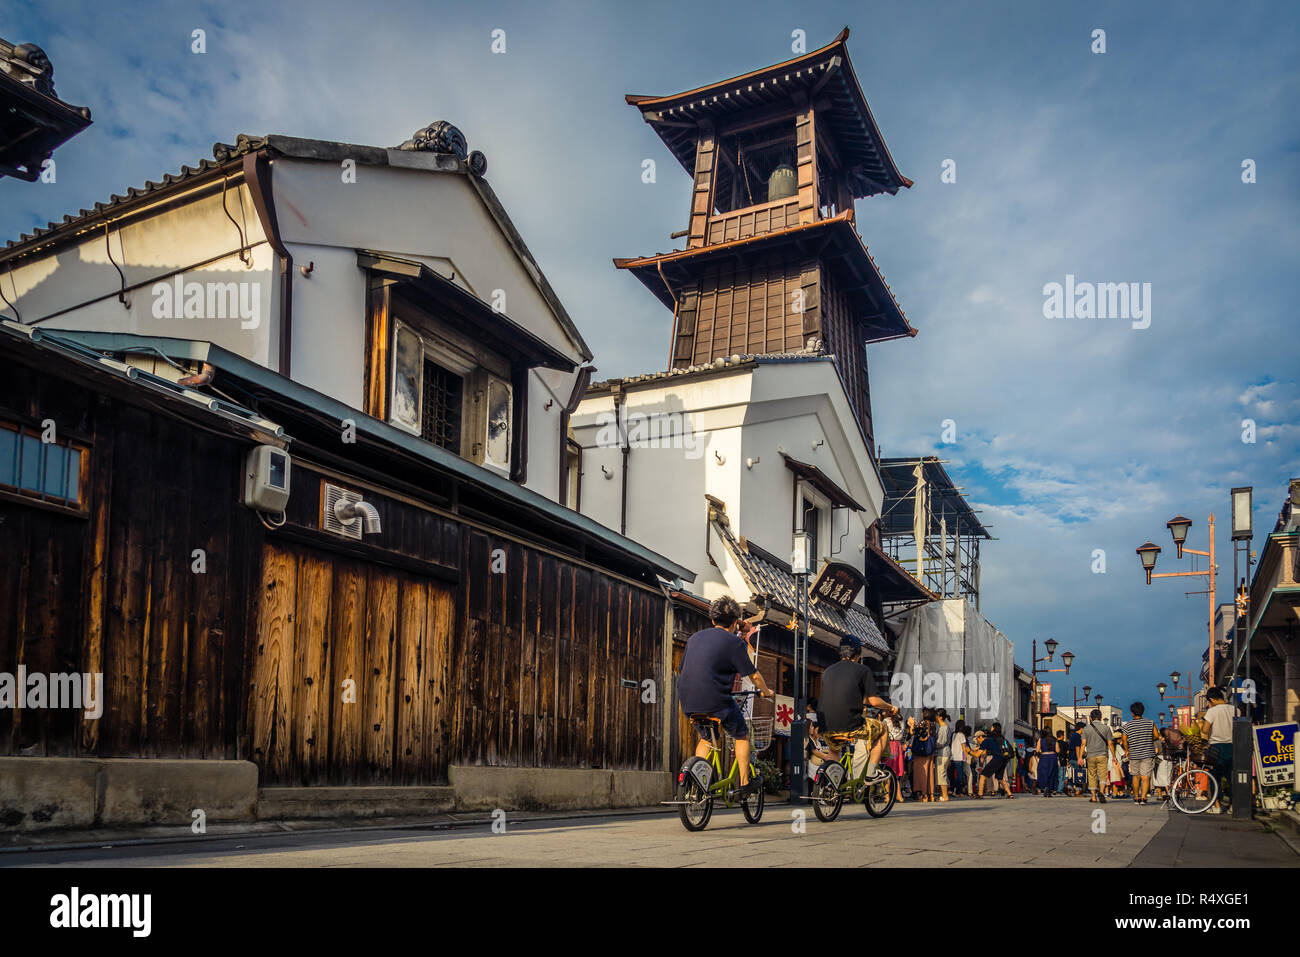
{"points": [[443, 395]]}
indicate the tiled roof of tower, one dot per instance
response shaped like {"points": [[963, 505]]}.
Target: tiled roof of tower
{"points": [[721, 364], [826, 74]]}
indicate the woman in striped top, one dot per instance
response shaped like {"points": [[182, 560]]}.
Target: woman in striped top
{"points": [[1139, 739]]}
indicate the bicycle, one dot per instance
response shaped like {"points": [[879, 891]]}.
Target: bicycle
{"points": [[1196, 789], [834, 782], [700, 782]]}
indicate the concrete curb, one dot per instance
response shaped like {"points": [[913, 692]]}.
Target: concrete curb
{"points": [[133, 838]]}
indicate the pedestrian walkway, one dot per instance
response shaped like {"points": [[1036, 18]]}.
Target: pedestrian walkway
{"points": [[1206, 840], [1025, 831]]}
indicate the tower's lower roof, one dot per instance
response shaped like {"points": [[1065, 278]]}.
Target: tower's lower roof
{"points": [[834, 241]]}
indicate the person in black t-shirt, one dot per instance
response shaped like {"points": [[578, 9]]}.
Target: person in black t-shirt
{"points": [[847, 686], [995, 747], [713, 659]]}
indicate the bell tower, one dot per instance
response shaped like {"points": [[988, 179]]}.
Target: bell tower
{"points": [[772, 263]]}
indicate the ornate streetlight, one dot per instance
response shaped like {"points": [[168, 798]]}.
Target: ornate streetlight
{"points": [[1067, 659], [1148, 552]]}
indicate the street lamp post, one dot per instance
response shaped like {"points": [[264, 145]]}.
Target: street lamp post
{"points": [[1067, 658], [1189, 695], [1243, 806], [1148, 552], [799, 561], [1074, 705]]}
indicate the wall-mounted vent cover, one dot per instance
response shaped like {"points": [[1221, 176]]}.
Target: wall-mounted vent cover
{"points": [[331, 494]]}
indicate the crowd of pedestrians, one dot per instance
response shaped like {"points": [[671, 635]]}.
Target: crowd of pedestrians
{"points": [[936, 758]]}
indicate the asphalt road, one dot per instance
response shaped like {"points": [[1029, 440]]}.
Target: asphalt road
{"points": [[1024, 831]]}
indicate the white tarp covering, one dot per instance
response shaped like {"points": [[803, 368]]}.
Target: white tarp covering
{"points": [[949, 656]]}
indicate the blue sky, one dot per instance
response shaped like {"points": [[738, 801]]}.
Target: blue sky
{"points": [[1072, 434]]}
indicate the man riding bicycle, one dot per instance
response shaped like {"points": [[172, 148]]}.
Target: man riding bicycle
{"points": [[713, 659], [847, 686]]}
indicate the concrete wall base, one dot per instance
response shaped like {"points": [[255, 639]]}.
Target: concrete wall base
{"points": [[302, 804], [536, 789], [40, 793]]}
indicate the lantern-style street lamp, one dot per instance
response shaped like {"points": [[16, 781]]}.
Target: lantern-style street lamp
{"points": [[1148, 553], [1067, 658], [1178, 526]]}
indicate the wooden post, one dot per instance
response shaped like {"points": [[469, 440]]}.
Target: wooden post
{"points": [[806, 153], [702, 195]]}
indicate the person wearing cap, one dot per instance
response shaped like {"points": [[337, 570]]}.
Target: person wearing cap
{"points": [[848, 686]]}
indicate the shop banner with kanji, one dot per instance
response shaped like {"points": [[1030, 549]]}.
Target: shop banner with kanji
{"points": [[784, 715]]}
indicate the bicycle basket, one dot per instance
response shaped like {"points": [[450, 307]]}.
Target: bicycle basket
{"points": [[760, 733]]}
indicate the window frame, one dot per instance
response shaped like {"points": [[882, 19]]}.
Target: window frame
{"points": [[808, 497], [27, 496], [479, 369]]}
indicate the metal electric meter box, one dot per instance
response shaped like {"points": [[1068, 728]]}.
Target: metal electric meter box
{"points": [[266, 478]]}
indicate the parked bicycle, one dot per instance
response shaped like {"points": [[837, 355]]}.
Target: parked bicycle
{"points": [[1195, 787], [835, 782], [700, 782]]}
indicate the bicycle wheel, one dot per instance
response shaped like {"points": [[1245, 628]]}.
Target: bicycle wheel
{"points": [[753, 804], [696, 812], [1194, 791], [826, 801], [881, 794]]}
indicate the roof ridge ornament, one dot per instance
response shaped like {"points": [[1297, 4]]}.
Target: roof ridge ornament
{"points": [[442, 137]]}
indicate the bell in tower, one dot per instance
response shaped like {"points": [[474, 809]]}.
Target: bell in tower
{"points": [[782, 183], [773, 263]]}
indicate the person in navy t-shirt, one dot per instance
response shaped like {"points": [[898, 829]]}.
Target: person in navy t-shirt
{"points": [[713, 659]]}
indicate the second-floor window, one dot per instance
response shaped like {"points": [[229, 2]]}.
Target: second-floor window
{"points": [[451, 392], [442, 395]]}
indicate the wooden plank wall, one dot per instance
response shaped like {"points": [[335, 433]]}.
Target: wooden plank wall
{"points": [[844, 338], [517, 668], [745, 309], [452, 661], [686, 621], [350, 678], [117, 589]]}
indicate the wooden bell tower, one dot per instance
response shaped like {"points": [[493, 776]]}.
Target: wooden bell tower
{"points": [[772, 263]]}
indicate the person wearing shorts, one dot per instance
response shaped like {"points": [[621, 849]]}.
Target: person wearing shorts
{"points": [[995, 771], [1098, 749], [714, 657], [848, 686], [1139, 740]]}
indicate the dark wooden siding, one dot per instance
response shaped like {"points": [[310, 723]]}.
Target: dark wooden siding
{"points": [[452, 661], [746, 309], [845, 338], [116, 591]]}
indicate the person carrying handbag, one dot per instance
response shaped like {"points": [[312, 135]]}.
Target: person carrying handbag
{"points": [[923, 748]]}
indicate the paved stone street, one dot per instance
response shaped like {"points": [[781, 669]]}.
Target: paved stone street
{"points": [[1025, 831]]}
